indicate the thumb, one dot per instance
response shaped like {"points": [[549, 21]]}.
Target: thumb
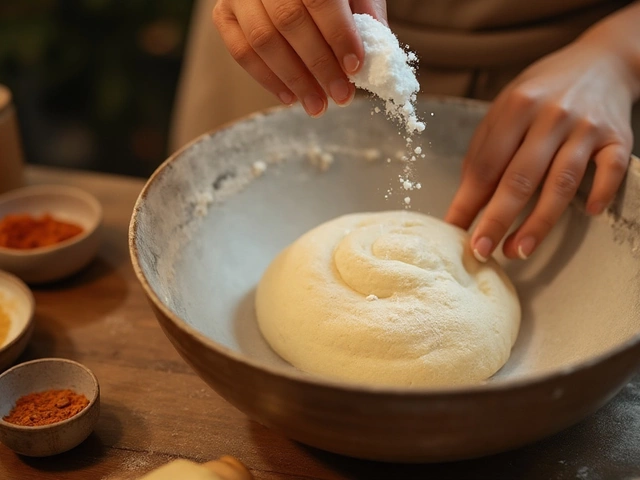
{"points": [[376, 8]]}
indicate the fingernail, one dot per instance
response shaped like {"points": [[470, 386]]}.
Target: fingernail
{"points": [[314, 105], [595, 208], [526, 247], [352, 94], [351, 63], [482, 249], [339, 90], [286, 98]]}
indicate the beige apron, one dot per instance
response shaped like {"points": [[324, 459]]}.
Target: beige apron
{"points": [[466, 48]]}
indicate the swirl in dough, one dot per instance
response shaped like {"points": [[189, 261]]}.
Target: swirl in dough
{"points": [[389, 298]]}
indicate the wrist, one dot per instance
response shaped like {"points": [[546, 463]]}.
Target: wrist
{"points": [[620, 45]]}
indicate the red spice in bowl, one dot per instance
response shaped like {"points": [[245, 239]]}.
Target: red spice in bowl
{"points": [[45, 408], [23, 231]]}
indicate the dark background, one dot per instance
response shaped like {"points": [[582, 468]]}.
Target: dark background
{"points": [[93, 80]]}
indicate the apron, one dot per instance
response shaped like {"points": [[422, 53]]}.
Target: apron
{"points": [[467, 48]]}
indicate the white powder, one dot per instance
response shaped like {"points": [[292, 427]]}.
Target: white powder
{"points": [[258, 168], [388, 72], [202, 202], [320, 159], [371, 154], [407, 200], [372, 297], [418, 150]]}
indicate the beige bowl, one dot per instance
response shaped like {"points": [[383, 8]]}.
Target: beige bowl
{"points": [[47, 264], [205, 228], [41, 375], [17, 305]]}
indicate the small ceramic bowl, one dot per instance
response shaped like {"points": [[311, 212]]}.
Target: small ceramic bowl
{"points": [[16, 318], [41, 375], [54, 262]]}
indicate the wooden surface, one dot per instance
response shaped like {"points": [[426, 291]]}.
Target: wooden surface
{"points": [[154, 408]]}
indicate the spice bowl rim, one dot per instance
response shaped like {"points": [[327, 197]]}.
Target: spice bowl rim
{"points": [[29, 323], [93, 401], [76, 192]]}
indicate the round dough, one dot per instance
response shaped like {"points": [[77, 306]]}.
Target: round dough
{"points": [[389, 298]]}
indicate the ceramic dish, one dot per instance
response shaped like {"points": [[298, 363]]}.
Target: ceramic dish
{"points": [[41, 375], [16, 318], [204, 229], [50, 263]]}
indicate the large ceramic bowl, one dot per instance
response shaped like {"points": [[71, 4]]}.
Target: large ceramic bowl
{"points": [[209, 221]]}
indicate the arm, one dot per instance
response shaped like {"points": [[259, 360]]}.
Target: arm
{"points": [[568, 108], [297, 49]]}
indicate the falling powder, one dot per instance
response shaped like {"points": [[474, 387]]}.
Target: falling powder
{"points": [[389, 72]]}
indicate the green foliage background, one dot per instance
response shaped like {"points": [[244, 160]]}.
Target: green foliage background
{"points": [[93, 80]]}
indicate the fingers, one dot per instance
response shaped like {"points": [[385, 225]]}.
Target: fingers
{"points": [[487, 159], [611, 162], [376, 8], [560, 186], [239, 48], [295, 48], [321, 32], [281, 58], [519, 181]]}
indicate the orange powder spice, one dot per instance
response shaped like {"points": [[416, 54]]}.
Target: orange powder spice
{"points": [[23, 231], [45, 408]]}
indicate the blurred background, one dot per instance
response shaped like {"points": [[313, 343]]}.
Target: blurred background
{"points": [[94, 80]]}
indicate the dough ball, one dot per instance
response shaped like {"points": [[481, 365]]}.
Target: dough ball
{"points": [[389, 298]]}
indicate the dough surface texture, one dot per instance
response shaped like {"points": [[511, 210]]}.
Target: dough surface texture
{"points": [[390, 298]]}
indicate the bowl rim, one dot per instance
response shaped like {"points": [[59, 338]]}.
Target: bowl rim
{"points": [[486, 387], [29, 324], [95, 395], [62, 190]]}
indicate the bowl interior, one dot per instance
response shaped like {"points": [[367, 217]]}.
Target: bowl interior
{"points": [[45, 374], [206, 228], [64, 203], [16, 302]]}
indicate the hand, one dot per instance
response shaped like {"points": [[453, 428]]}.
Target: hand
{"points": [[297, 48], [542, 130]]}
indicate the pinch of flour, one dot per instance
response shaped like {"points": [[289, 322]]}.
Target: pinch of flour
{"points": [[388, 72]]}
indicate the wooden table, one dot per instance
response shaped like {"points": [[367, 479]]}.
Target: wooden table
{"points": [[154, 408]]}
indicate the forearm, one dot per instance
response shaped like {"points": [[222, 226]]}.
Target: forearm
{"points": [[619, 35]]}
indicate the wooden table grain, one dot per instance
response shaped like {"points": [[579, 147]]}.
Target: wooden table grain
{"points": [[154, 408]]}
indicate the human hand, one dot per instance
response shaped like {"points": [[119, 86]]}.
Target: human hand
{"points": [[297, 48], [542, 130]]}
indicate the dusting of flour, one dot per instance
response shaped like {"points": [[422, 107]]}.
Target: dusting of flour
{"points": [[389, 72]]}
